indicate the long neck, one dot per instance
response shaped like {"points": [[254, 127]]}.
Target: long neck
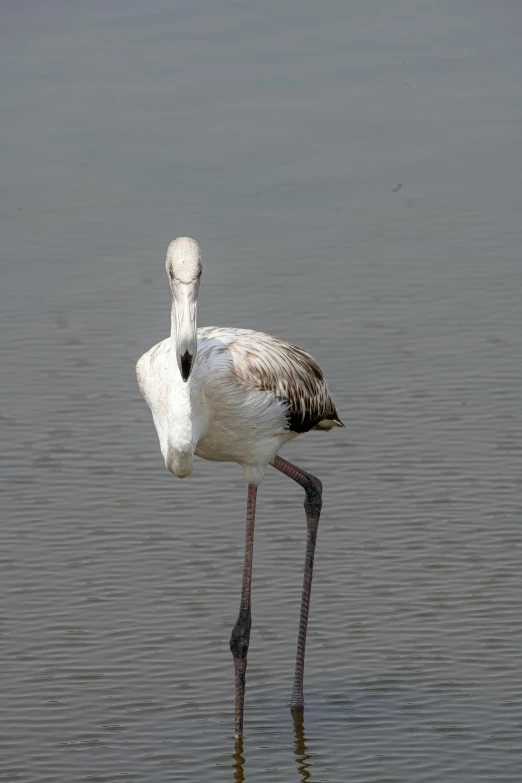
{"points": [[181, 441]]}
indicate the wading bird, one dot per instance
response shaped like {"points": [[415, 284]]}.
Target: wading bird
{"points": [[235, 395]]}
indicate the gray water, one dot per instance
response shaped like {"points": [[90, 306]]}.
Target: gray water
{"points": [[278, 134]]}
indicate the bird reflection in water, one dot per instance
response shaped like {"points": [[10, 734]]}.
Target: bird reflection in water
{"points": [[239, 763], [300, 750], [301, 754]]}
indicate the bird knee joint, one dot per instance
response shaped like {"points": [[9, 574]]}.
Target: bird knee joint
{"points": [[240, 637], [314, 497]]}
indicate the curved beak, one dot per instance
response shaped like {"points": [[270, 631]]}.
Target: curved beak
{"points": [[185, 297]]}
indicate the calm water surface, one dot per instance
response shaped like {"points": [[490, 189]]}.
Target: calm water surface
{"points": [[278, 134]]}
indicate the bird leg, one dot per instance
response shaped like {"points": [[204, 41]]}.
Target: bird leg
{"points": [[313, 503], [241, 631]]}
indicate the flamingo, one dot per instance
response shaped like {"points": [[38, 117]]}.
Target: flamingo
{"points": [[235, 395]]}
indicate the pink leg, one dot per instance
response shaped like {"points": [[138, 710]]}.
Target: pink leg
{"points": [[241, 631], [313, 503]]}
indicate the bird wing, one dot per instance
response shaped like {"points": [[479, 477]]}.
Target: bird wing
{"points": [[261, 361]]}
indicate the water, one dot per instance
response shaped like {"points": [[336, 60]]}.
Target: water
{"points": [[278, 134]]}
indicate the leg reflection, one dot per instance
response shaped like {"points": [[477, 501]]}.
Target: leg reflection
{"points": [[239, 763], [300, 750]]}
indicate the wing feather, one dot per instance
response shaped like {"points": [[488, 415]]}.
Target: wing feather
{"points": [[263, 362]]}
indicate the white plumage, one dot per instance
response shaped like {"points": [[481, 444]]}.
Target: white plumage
{"points": [[247, 395], [245, 390]]}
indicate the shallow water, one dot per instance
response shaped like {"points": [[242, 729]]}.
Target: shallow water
{"points": [[277, 134]]}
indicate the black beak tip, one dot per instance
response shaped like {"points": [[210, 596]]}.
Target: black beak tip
{"points": [[186, 365]]}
